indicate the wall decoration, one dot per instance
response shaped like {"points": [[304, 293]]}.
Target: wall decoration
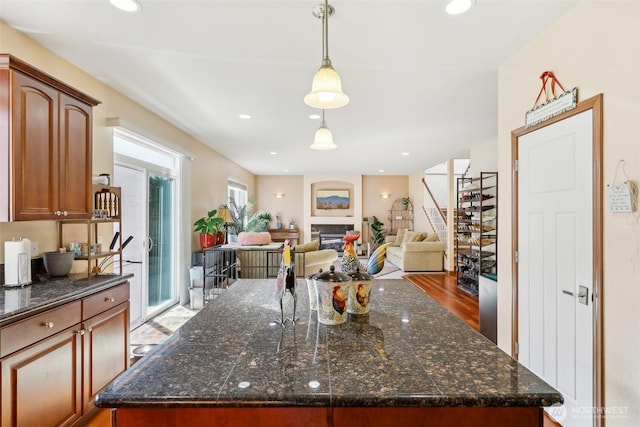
{"points": [[565, 101], [332, 199]]}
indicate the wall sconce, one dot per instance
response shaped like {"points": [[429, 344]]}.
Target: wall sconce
{"points": [[278, 195], [385, 195]]}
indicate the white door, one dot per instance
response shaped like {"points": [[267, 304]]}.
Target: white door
{"points": [[133, 183], [555, 265]]}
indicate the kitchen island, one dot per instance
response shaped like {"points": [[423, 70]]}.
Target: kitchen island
{"points": [[408, 362]]}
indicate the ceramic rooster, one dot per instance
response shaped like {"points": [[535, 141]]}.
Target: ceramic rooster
{"points": [[350, 261]]}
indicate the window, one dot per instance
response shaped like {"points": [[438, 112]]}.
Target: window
{"points": [[236, 192]]}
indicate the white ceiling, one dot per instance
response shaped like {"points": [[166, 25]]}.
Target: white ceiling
{"points": [[420, 81]]}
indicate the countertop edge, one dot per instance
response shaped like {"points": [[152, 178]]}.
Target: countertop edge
{"points": [[105, 282]]}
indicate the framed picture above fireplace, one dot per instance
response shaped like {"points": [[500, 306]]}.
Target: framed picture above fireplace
{"points": [[332, 199]]}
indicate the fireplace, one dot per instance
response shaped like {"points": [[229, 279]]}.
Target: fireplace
{"points": [[330, 235]]}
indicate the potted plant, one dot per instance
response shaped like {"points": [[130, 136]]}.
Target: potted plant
{"points": [[378, 233], [406, 201], [210, 229], [259, 221], [292, 223], [279, 220]]}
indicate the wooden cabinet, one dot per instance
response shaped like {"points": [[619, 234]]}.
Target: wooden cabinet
{"points": [[105, 350], [41, 384], [53, 363], [45, 145]]}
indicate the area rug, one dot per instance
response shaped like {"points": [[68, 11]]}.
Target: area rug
{"points": [[160, 327]]}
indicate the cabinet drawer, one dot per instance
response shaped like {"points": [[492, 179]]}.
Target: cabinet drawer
{"points": [[103, 301], [26, 332]]}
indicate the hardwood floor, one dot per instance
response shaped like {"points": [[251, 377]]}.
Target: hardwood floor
{"points": [[443, 289]]}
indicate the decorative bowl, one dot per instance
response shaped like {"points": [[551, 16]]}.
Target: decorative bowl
{"points": [[58, 263]]}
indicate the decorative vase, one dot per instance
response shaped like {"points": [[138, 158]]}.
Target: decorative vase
{"points": [[208, 240]]}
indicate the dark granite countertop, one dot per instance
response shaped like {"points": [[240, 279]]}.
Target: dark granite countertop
{"points": [[19, 302], [408, 351]]}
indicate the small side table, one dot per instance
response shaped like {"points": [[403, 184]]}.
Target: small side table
{"points": [[282, 234]]}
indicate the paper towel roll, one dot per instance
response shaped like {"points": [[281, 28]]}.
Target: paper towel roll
{"points": [[17, 262]]}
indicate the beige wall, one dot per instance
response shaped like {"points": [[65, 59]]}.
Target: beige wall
{"points": [[209, 169], [293, 188], [267, 186], [595, 46]]}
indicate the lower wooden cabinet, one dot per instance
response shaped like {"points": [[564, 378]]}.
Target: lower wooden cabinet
{"points": [[52, 380], [105, 350], [41, 385]]}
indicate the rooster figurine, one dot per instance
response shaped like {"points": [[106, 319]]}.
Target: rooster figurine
{"points": [[339, 300], [350, 261], [362, 295]]}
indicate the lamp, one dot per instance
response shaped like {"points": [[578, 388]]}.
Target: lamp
{"points": [[278, 195], [385, 195], [323, 139], [326, 88], [225, 214]]}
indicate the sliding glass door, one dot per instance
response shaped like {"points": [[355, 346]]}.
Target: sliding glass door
{"points": [[161, 251], [148, 176]]}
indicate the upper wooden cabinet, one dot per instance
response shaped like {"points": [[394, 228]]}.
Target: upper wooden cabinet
{"points": [[45, 145]]}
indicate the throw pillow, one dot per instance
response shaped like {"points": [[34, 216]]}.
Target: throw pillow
{"points": [[399, 237], [307, 247], [419, 237], [408, 236], [432, 237]]}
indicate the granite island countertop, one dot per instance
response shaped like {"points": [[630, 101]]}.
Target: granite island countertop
{"points": [[407, 352], [18, 302]]}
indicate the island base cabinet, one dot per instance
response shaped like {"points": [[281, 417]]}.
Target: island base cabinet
{"points": [[41, 384], [227, 417], [331, 417]]}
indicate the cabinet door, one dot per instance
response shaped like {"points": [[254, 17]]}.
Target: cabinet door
{"points": [[75, 158], [106, 350], [35, 149], [41, 385]]}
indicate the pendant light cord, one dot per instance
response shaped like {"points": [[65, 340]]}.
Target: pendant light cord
{"points": [[325, 30]]}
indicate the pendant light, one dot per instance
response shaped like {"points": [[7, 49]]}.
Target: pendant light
{"points": [[326, 88], [323, 139]]}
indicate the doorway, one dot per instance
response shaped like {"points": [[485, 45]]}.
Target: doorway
{"points": [[148, 177], [557, 270]]}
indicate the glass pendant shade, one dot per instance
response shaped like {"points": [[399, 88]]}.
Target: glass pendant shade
{"points": [[326, 89], [323, 139]]}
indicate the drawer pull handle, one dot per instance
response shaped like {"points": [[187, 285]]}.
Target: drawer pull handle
{"points": [[80, 332], [48, 325], [89, 329], [109, 299]]}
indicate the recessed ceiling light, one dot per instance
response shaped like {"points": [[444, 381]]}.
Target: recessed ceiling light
{"points": [[456, 7], [245, 116], [273, 153], [126, 5], [381, 170], [315, 116], [405, 153]]}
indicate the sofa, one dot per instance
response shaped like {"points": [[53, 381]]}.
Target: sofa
{"points": [[256, 262], [315, 259], [415, 251]]}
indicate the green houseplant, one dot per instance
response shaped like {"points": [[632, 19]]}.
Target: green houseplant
{"points": [[378, 233], [210, 229], [406, 201]]}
